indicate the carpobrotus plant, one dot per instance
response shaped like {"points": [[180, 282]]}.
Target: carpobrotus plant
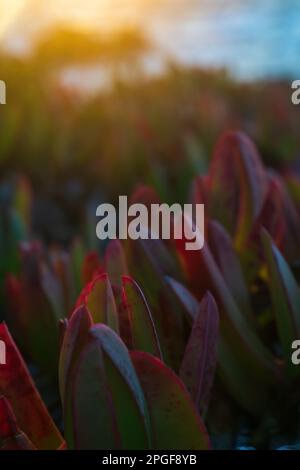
{"points": [[155, 347]]}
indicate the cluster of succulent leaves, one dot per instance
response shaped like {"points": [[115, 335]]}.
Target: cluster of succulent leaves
{"points": [[152, 346]]}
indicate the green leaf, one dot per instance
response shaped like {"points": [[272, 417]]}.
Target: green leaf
{"points": [[143, 333], [175, 423], [115, 262], [90, 267], [108, 405], [285, 299], [74, 340], [200, 358], [228, 262], [244, 349], [150, 262], [187, 300], [237, 178], [36, 300], [75, 336], [94, 420], [99, 298]]}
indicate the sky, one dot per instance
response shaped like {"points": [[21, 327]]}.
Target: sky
{"points": [[251, 38]]}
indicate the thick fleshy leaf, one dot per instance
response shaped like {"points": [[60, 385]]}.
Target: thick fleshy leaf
{"points": [[150, 263], [143, 333], [8, 424], [188, 301], [149, 257], [74, 340], [240, 329], [36, 302], [285, 299], [271, 216], [228, 262], [247, 388], [91, 267], [62, 326], [292, 224], [109, 409], [242, 344], [175, 423], [199, 361], [116, 350], [11, 437], [115, 262], [75, 337], [99, 298], [279, 217], [94, 421], [236, 178], [17, 386]]}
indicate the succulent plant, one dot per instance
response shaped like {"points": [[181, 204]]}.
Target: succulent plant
{"points": [[157, 347]]}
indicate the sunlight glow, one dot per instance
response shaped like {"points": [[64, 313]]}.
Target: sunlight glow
{"points": [[87, 13], [9, 10]]}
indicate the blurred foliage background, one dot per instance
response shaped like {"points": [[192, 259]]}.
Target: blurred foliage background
{"points": [[78, 143], [92, 116]]}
